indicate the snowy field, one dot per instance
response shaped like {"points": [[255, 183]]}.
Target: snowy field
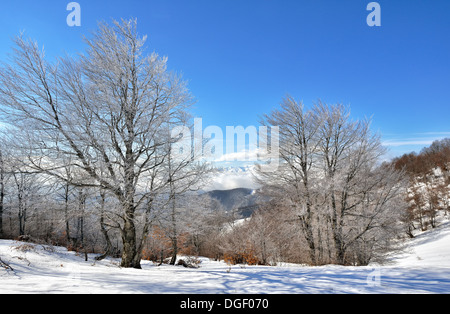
{"points": [[423, 268]]}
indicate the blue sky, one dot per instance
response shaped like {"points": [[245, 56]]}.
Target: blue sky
{"points": [[241, 57]]}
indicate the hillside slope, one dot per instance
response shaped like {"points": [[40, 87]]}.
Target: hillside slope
{"points": [[428, 249]]}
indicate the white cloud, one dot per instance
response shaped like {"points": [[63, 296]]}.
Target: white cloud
{"points": [[233, 178], [243, 156], [408, 142], [399, 145], [418, 139]]}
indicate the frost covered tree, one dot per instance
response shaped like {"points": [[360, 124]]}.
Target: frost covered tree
{"points": [[331, 179], [298, 155], [191, 217], [106, 111]]}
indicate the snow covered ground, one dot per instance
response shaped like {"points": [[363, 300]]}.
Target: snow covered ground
{"points": [[423, 268]]}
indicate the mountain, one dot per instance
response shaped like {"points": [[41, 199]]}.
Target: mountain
{"points": [[243, 200], [228, 178]]}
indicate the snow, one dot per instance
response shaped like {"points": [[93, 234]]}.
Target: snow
{"points": [[424, 267], [429, 249]]}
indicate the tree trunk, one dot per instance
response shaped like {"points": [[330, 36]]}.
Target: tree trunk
{"points": [[306, 220], [130, 256], [80, 226], [336, 228], [22, 215], [308, 233], [174, 231], [129, 251], [108, 248], [140, 243], [66, 213], [173, 260]]}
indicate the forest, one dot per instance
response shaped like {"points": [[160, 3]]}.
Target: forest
{"points": [[87, 161]]}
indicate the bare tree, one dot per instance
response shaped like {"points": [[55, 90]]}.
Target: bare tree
{"points": [[183, 177], [330, 175], [107, 110], [298, 150]]}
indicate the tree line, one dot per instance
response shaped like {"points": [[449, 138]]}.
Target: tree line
{"points": [[428, 185]]}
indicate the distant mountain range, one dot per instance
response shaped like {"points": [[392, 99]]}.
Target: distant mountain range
{"points": [[241, 200]]}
